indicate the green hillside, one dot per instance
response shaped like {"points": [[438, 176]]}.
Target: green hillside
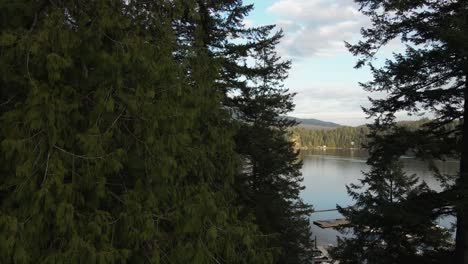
{"points": [[315, 136]]}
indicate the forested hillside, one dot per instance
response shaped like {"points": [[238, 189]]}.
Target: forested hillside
{"points": [[342, 137]]}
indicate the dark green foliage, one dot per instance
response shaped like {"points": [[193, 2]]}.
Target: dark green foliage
{"points": [[387, 226], [429, 77], [119, 143], [271, 181], [251, 78], [115, 147]]}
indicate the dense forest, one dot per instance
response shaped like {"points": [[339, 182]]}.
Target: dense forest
{"points": [[344, 136], [135, 132], [341, 137]]}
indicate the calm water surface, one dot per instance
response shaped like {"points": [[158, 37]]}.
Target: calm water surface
{"points": [[326, 173]]}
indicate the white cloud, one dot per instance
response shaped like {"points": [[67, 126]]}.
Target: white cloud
{"points": [[316, 10], [331, 103], [340, 104], [315, 31], [317, 27], [287, 25]]}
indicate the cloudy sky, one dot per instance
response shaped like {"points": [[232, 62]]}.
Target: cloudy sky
{"points": [[322, 73]]}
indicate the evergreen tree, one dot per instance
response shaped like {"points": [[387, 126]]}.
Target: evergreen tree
{"points": [[251, 79], [385, 224], [114, 147], [429, 77], [271, 182]]}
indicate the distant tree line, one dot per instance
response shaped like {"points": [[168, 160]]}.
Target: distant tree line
{"points": [[341, 137], [345, 136]]}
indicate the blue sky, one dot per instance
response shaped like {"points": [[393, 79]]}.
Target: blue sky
{"points": [[322, 72]]}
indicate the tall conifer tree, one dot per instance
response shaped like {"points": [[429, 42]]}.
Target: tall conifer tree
{"points": [[386, 226], [251, 78], [271, 182], [114, 148], [429, 77]]}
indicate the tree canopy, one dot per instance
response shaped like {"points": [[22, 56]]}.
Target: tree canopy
{"points": [[122, 135], [429, 77]]}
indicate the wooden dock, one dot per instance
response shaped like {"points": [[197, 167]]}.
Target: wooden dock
{"points": [[323, 211], [331, 223], [328, 210]]}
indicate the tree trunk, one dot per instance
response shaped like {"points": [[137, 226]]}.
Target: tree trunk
{"points": [[461, 250]]}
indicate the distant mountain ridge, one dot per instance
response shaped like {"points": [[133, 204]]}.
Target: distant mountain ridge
{"points": [[314, 123]]}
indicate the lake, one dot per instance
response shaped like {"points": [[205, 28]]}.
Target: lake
{"points": [[326, 172]]}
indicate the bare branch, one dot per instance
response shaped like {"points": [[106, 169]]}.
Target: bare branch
{"points": [[8, 101], [82, 156], [46, 169]]}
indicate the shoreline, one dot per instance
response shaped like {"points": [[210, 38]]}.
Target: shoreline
{"points": [[331, 148]]}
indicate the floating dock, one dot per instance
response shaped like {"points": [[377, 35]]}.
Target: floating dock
{"points": [[331, 223]]}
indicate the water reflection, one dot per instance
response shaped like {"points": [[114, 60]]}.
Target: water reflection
{"points": [[327, 172]]}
